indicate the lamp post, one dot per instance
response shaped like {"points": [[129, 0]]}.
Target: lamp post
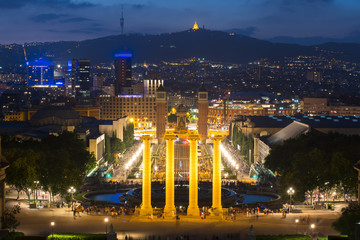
{"points": [[106, 221], [72, 190], [296, 222], [35, 192], [290, 191], [52, 224], [312, 227]]}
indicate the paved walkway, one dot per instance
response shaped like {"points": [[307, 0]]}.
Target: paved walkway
{"points": [[37, 222]]}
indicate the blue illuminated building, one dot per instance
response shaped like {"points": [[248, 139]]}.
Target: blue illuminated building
{"points": [[79, 76], [122, 71], [40, 73]]}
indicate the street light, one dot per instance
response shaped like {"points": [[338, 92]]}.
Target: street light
{"points": [[296, 222], [106, 221], [35, 192], [291, 191], [72, 190], [312, 226], [52, 224]]}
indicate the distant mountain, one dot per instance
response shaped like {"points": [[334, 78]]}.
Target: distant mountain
{"points": [[309, 41], [212, 45]]}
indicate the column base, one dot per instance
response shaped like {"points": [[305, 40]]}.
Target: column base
{"points": [[193, 211], [169, 211], [146, 211], [217, 211]]}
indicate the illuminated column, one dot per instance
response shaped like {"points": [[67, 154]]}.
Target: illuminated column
{"points": [[193, 208], [216, 191], [146, 208], [169, 209]]}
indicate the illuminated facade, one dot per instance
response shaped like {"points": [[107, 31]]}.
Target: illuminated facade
{"points": [[195, 27], [140, 109], [122, 71], [219, 115], [40, 72], [322, 107], [79, 76]]}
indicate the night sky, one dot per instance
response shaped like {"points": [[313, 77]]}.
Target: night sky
{"points": [[54, 20]]}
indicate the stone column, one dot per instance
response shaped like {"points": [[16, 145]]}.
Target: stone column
{"points": [[146, 208], [193, 208], [169, 209], [216, 191]]}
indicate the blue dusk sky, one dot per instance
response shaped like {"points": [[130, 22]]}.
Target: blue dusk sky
{"points": [[54, 20]]}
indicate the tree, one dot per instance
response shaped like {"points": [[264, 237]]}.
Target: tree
{"points": [[315, 160], [64, 163], [9, 220], [108, 153], [346, 222], [22, 171], [117, 145], [128, 135]]}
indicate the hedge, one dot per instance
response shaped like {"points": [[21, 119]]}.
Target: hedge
{"points": [[74, 236]]}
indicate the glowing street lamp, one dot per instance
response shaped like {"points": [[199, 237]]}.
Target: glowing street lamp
{"points": [[72, 190], [52, 224], [296, 222], [290, 191], [106, 221]]}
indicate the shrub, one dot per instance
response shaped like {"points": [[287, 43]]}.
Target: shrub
{"points": [[74, 236]]}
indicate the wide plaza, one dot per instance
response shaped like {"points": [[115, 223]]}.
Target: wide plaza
{"points": [[37, 222]]}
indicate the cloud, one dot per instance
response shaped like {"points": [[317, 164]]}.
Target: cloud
{"points": [[11, 4], [75, 19], [87, 30], [138, 6], [41, 18]]}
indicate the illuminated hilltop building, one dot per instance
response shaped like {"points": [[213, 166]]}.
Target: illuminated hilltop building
{"points": [[195, 27]]}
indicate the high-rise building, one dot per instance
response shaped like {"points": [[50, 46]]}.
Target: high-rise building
{"points": [[151, 85], [122, 71], [203, 105], [79, 76], [40, 73]]}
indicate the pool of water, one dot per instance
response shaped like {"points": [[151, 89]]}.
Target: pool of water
{"points": [[256, 198], [111, 197], [114, 197]]}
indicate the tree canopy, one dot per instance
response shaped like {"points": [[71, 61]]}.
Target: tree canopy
{"points": [[57, 162], [316, 160], [349, 217]]}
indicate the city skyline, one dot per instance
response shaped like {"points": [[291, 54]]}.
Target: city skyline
{"points": [[37, 20]]}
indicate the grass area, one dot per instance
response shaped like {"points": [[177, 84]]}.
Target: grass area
{"points": [[81, 236], [79, 197], [283, 237]]}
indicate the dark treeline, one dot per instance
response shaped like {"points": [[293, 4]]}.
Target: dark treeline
{"points": [[55, 163], [316, 161]]}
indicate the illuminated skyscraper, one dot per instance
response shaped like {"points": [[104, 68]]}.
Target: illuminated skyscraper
{"points": [[122, 71], [79, 76], [40, 72]]}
